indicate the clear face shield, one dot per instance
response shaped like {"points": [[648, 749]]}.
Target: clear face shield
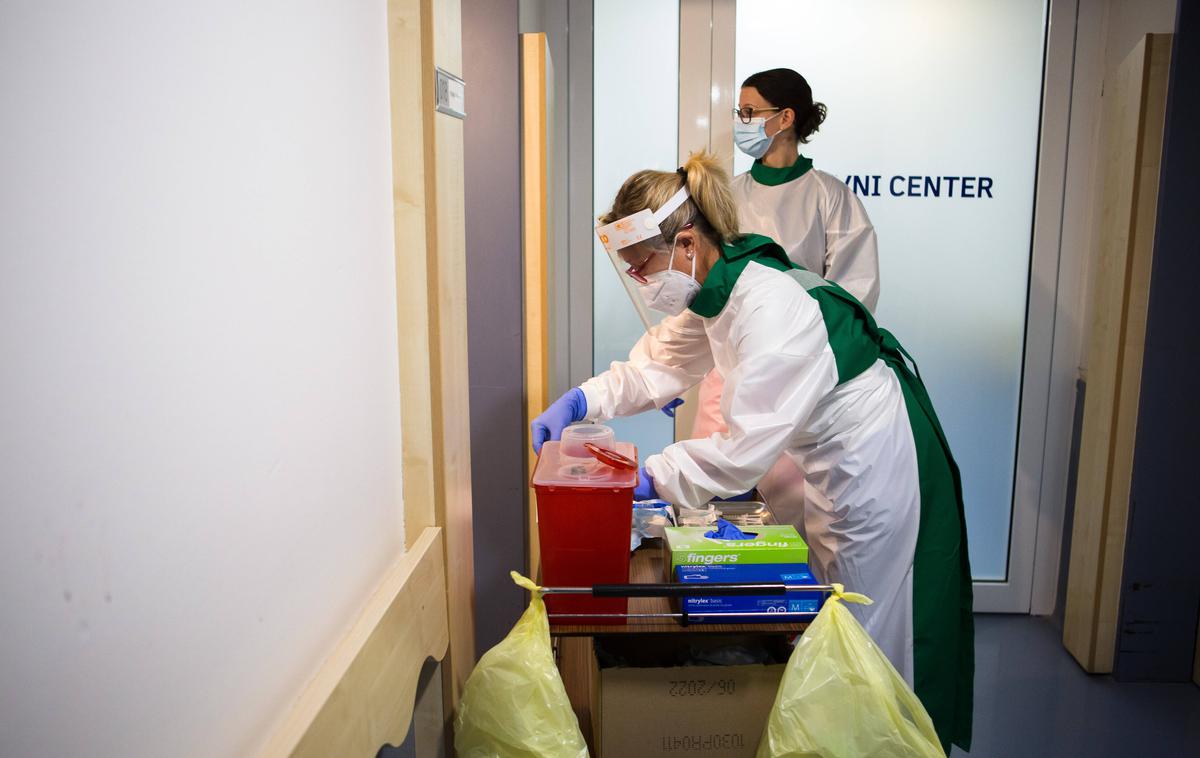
{"points": [[628, 231]]}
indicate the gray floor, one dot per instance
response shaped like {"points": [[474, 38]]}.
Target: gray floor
{"points": [[1032, 700]]}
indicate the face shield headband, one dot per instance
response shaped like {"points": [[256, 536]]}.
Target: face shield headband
{"points": [[642, 225]]}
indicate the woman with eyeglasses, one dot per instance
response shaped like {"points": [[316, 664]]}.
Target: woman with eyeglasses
{"points": [[808, 374], [815, 218]]}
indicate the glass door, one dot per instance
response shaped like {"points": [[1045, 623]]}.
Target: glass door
{"points": [[937, 120], [934, 110], [635, 80]]}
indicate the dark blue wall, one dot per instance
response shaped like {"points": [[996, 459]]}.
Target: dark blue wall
{"points": [[492, 151], [1160, 596]]}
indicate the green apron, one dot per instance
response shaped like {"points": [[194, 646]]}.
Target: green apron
{"points": [[943, 624], [943, 621]]}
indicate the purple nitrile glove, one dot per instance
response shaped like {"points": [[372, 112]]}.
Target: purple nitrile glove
{"points": [[564, 411], [645, 486], [727, 531], [670, 407]]}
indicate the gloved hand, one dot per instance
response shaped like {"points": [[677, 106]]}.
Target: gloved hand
{"points": [[566, 410], [669, 408], [645, 486]]}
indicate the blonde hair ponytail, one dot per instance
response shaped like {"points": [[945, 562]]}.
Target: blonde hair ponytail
{"points": [[711, 208], [709, 186]]}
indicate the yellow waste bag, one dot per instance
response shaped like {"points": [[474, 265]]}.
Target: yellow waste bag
{"points": [[841, 697], [514, 703]]}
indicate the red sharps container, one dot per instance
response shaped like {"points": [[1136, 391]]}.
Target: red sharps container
{"points": [[584, 487]]}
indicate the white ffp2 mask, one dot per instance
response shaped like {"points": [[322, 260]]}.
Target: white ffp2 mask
{"points": [[670, 291]]}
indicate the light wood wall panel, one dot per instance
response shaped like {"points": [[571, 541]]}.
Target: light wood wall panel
{"points": [[362, 696], [447, 288], [431, 305], [1134, 104], [535, 245], [409, 94]]}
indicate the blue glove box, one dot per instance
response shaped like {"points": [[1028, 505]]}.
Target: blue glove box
{"points": [[787, 573]]}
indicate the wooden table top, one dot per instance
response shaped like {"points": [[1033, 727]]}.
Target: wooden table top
{"points": [[646, 567]]}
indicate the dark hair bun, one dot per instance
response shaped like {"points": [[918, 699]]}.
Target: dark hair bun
{"points": [[806, 127]]}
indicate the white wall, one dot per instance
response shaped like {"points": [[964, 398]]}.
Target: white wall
{"points": [[199, 445]]}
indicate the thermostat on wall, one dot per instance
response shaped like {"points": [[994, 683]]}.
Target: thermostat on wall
{"points": [[451, 94]]}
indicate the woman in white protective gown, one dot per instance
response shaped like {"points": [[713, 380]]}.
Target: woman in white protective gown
{"points": [[816, 219], [808, 374]]}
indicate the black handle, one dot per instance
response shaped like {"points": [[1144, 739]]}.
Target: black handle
{"points": [[686, 590]]}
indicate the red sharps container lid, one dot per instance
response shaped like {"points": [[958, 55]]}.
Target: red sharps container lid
{"points": [[557, 470]]}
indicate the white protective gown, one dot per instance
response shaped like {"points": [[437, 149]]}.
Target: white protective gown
{"points": [[782, 395], [819, 223], [823, 227]]}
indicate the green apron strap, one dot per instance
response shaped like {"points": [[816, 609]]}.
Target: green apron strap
{"points": [[889, 343]]}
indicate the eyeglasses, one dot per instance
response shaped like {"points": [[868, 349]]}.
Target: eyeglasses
{"points": [[748, 113], [635, 268]]}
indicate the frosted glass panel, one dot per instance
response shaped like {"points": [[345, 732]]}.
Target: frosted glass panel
{"points": [[636, 127], [933, 118]]}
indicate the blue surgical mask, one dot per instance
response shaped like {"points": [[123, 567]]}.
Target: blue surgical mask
{"points": [[752, 138]]}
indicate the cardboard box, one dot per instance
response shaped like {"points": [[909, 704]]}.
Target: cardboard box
{"points": [[694, 710], [732, 605], [687, 546]]}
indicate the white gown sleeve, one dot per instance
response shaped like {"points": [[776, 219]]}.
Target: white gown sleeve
{"points": [[665, 362], [851, 248], [785, 366]]}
